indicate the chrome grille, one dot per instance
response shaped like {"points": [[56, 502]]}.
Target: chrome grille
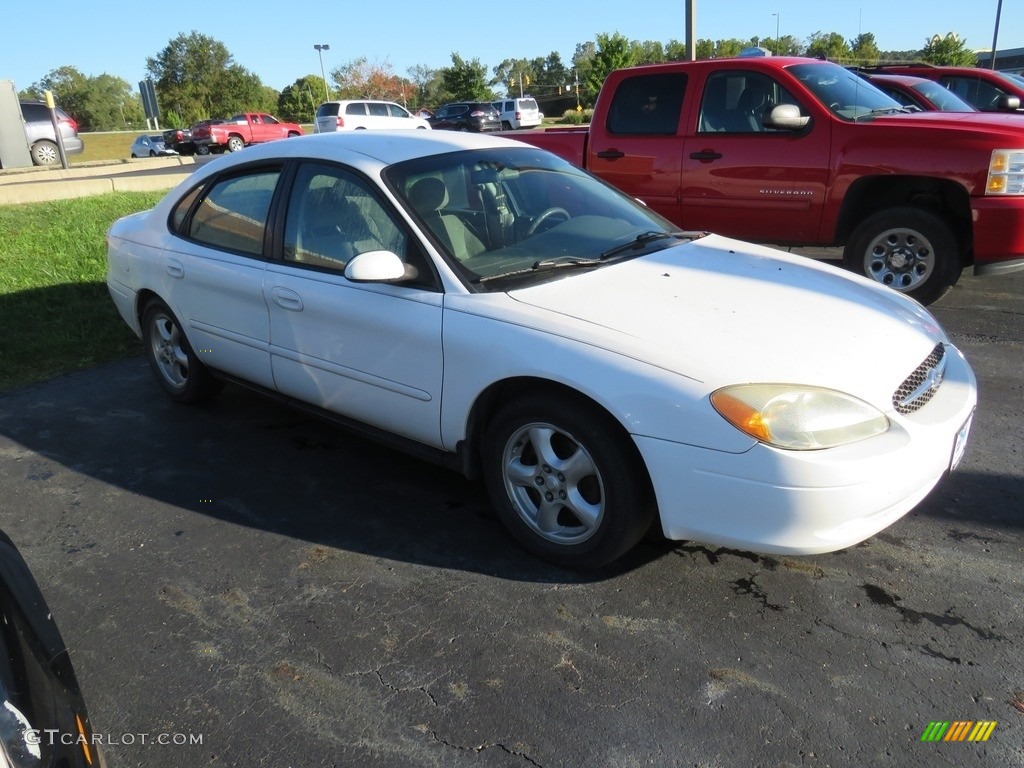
{"points": [[917, 389]]}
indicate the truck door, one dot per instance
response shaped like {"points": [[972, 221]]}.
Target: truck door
{"points": [[745, 179], [639, 149]]}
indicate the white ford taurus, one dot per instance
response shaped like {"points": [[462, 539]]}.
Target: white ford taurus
{"points": [[484, 304]]}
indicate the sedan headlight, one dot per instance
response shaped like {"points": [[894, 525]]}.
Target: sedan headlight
{"points": [[796, 417]]}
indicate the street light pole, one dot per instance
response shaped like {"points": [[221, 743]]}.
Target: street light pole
{"points": [[995, 34], [778, 18], [320, 50]]}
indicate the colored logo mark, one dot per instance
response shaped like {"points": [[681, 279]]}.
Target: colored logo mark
{"points": [[959, 730]]}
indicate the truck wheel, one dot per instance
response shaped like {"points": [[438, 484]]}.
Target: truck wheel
{"points": [[235, 143], [566, 481], [202, 149], [908, 249]]}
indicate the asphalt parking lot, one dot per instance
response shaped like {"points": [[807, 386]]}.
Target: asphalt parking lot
{"points": [[275, 592]]}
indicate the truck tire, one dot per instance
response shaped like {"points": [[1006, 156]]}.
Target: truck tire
{"points": [[908, 249], [235, 143]]}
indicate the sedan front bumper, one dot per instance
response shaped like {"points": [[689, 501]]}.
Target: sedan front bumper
{"points": [[808, 502]]}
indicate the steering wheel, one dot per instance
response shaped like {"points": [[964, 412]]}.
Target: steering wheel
{"points": [[544, 216]]}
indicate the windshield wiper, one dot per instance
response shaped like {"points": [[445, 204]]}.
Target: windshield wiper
{"points": [[884, 111], [543, 266], [643, 239]]}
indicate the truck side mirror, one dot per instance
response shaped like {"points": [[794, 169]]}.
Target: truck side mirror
{"points": [[787, 116], [1008, 103]]}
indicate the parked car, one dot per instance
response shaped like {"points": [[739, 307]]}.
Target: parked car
{"points": [[150, 146], [918, 93], [479, 116], [240, 131], [518, 113], [42, 141], [43, 717], [492, 307], [358, 115], [987, 90]]}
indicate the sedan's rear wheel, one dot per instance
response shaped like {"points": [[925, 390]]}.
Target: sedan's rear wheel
{"points": [[566, 481], [174, 363]]}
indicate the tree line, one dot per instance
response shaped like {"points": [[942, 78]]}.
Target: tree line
{"points": [[196, 77]]}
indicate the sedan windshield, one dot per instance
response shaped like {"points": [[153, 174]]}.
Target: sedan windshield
{"points": [[846, 94], [519, 212]]}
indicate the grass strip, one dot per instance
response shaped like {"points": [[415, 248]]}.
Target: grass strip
{"points": [[55, 313]]}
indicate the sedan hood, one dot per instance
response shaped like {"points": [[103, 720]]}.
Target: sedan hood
{"points": [[725, 312]]}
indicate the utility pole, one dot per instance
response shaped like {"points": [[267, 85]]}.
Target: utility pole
{"points": [[995, 34], [691, 30]]}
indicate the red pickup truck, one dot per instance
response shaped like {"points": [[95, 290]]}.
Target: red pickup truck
{"points": [[241, 130], [802, 152]]}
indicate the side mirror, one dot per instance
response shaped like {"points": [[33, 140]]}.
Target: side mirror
{"points": [[379, 267], [1008, 103], [787, 116]]}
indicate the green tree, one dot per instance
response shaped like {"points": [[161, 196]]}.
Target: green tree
{"points": [[864, 50], [465, 81], [948, 51], [831, 46], [298, 101], [69, 88], [196, 77], [582, 63], [726, 49], [426, 84], [612, 52], [787, 45], [111, 105], [647, 52]]}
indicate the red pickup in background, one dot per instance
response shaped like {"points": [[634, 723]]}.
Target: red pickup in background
{"points": [[241, 130], [802, 152]]}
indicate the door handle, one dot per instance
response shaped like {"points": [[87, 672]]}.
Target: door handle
{"points": [[286, 298], [610, 154], [707, 154], [175, 269]]}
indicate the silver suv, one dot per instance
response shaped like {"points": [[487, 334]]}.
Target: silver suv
{"points": [[42, 142]]}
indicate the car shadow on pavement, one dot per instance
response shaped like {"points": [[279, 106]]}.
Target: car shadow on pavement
{"points": [[109, 439]]}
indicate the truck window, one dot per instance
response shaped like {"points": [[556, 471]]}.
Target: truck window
{"points": [[737, 101], [647, 105]]}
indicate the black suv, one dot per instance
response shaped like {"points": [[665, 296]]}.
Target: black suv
{"points": [[42, 142], [477, 116]]}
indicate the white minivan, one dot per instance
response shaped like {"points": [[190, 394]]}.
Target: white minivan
{"points": [[361, 114], [518, 113]]}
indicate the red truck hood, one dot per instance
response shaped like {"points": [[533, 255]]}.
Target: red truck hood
{"points": [[1009, 123]]}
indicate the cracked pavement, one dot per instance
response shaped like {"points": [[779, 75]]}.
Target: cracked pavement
{"points": [[300, 597]]}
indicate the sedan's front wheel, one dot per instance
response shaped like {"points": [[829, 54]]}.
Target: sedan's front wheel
{"points": [[176, 367], [566, 481]]}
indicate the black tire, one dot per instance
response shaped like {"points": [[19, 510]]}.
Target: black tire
{"points": [[235, 144], [566, 481], [506, 125], [45, 152], [908, 249], [202, 149], [176, 367], [134, 156], [152, 153]]}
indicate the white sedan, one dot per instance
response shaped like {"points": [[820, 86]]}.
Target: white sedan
{"points": [[484, 304]]}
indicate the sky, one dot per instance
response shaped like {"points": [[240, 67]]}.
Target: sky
{"points": [[275, 40]]}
